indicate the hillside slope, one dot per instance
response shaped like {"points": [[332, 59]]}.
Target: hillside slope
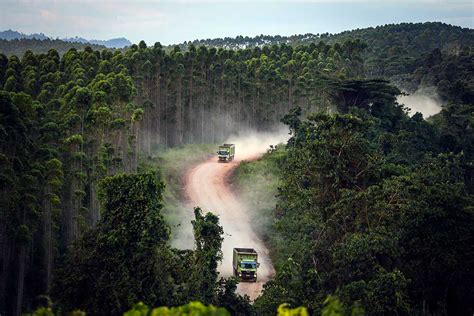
{"points": [[411, 36], [19, 46], [392, 50]]}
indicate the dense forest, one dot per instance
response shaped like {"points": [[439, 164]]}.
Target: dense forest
{"points": [[409, 37], [40, 43], [392, 50], [18, 47], [370, 196], [376, 207]]}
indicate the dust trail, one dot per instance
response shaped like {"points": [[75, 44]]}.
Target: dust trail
{"points": [[426, 101], [208, 186], [248, 144]]}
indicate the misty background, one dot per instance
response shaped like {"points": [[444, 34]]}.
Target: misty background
{"points": [[172, 22]]}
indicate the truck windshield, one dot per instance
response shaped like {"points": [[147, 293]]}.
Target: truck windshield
{"points": [[248, 265], [223, 152]]}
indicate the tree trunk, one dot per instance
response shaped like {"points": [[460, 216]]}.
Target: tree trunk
{"points": [[290, 95], [159, 108], [6, 264], [165, 127], [20, 280], [190, 105], [239, 108], [137, 146], [47, 240], [94, 208], [179, 110]]}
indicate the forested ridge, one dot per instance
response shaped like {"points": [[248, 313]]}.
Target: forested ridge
{"points": [[392, 50], [18, 47], [17, 43], [375, 207], [86, 120], [372, 205], [412, 35]]}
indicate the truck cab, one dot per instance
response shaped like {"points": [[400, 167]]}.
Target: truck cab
{"points": [[245, 264]]}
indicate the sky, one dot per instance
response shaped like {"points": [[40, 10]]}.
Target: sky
{"points": [[172, 22]]}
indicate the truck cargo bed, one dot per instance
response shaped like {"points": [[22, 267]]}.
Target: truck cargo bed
{"points": [[246, 250]]}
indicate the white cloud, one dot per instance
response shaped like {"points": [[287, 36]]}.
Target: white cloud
{"points": [[90, 19]]}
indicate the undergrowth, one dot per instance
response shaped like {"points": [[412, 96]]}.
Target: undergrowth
{"points": [[257, 185], [172, 165]]}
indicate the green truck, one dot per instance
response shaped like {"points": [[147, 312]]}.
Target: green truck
{"points": [[245, 264], [226, 152]]}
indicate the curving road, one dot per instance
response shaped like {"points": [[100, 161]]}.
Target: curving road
{"points": [[207, 186]]}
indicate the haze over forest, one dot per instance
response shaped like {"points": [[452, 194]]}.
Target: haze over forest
{"points": [[173, 22], [352, 177]]}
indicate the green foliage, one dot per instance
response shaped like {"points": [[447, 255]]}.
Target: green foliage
{"points": [[131, 208], [391, 50], [208, 239], [59, 116], [19, 46], [129, 257], [227, 298], [125, 253], [172, 164], [284, 310], [371, 217], [192, 309], [43, 311], [332, 307], [257, 182], [137, 115], [47, 311], [74, 139], [447, 70]]}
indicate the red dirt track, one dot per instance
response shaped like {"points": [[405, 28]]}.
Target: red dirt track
{"points": [[208, 186]]}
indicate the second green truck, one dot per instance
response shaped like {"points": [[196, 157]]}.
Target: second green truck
{"points": [[226, 152], [245, 264]]}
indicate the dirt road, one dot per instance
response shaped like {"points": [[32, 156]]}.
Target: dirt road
{"points": [[207, 186]]}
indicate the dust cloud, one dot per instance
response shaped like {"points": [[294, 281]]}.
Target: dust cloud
{"points": [[250, 144], [426, 101]]}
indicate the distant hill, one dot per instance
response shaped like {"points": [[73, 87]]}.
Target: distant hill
{"points": [[19, 46], [423, 36], [10, 35], [120, 42], [111, 43], [392, 49]]}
